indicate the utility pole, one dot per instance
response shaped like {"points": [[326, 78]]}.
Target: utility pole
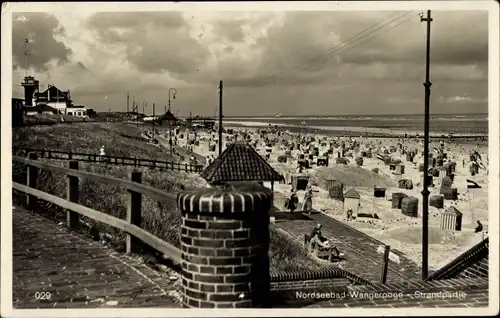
{"points": [[133, 100], [153, 121], [128, 98], [220, 117], [144, 105], [170, 97], [425, 191], [26, 41]]}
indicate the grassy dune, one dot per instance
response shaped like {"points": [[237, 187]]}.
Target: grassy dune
{"points": [[118, 139], [162, 220]]}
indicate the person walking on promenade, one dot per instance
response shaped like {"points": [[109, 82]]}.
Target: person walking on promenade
{"points": [[308, 201], [293, 200]]}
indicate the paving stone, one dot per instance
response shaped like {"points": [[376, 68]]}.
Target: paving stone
{"points": [[77, 271]]}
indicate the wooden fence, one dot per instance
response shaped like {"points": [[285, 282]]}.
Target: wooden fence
{"points": [[135, 234], [114, 160]]}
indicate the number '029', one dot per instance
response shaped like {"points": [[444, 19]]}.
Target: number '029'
{"points": [[42, 295]]}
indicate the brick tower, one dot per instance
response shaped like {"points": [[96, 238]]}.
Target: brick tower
{"points": [[225, 243]]}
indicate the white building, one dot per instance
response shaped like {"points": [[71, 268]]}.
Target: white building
{"points": [[52, 97], [351, 201]]}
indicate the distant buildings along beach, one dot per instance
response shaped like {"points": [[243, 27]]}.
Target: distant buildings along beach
{"points": [[52, 101]]}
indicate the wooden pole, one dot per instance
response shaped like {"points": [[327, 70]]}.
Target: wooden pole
{"points": [[128, 100], [32, 176], [72, 218], [220, 117], [134, 213], [383, 276], [153, 121], [425, 192]]}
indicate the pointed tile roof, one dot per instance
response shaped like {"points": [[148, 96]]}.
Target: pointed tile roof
{"points": [[352, 194], [472, 263], [452, 210], [240, 162], [168, 116]]}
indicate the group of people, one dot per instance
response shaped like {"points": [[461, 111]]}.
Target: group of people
{"points": [[292, 202], [316, 239]]}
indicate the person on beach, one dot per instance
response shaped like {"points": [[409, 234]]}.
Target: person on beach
{"points": [[479, 227], [299, 168], [349, 214]]}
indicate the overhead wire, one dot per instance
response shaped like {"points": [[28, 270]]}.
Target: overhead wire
{"points": [[341, 48]]}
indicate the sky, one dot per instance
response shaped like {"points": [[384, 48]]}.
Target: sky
{"points": [[289, 62]]}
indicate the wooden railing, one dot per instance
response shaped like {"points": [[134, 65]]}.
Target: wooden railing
{"points": [[114, 160], [135, 234]]}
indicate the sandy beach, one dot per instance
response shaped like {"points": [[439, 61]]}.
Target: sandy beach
{"points": [[393, 228]]}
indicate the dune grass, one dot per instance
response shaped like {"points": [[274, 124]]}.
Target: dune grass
{"points": [[160, 219], [118, 139]]}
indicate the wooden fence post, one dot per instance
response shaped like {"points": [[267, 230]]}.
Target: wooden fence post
{"points": [[134, 212], [186, 167], [32, 176], [70, 156], [135, 162], [383, 276], [73, 196], [50, 154]]}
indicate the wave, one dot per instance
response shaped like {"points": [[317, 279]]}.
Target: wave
{"points": [[472, 117]]}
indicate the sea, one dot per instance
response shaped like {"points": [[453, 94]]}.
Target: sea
{"points": [[470, 124]]}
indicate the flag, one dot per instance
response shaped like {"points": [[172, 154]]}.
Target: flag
{"points": [[472, 185]]}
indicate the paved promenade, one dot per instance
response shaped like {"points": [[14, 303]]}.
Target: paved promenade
{"points": [[361, 256], [77, 271]]}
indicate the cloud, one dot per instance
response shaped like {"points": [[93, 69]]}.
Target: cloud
{"points": [[43, 31], [270, 62], [459, 98], [154, 42], [230, 30]]}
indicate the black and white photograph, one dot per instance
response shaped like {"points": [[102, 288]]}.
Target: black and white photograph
{"points": [[325, 158]]}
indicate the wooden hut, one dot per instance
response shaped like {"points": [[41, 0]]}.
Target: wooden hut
{"points": [[405, 184], [399, 169], [451, 194], [451, 219], [436, 201], [300, 181], [442, 172], [322, 161], [351, 201], [341, 161], [397, 198], [335, 190], [445, 185], [379, 192], [409, 206]]}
